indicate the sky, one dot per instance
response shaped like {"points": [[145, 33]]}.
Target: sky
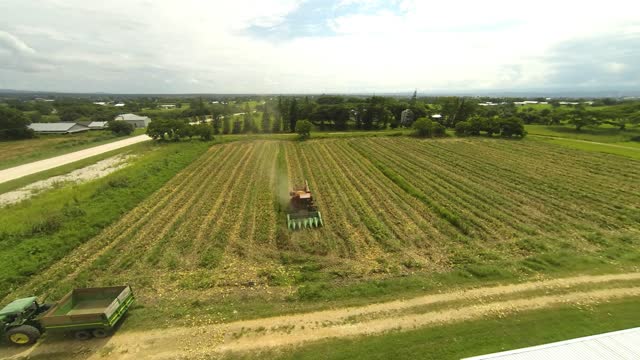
{"points": [[318, 46]]}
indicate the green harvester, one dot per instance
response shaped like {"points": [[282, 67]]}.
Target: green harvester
{"points": [[302, 212]]}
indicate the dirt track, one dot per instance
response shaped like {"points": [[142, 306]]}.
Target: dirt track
{"points": [[42, 165], [197, 342]]}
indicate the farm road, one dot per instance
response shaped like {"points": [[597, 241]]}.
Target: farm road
{"points": [[42, 165], [431, 310]]}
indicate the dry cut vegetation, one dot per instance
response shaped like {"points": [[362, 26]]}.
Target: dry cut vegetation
{"points": [[391, 206]]}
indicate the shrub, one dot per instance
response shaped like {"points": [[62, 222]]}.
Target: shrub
{"points": [[303, 128], [512, 126], [13, 125], [120, 128], [204, 131], [423, 127], [462, 128]]}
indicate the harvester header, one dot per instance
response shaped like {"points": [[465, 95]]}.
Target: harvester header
{"points": [[302, 212]]}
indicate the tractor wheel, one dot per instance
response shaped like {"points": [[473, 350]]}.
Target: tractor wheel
{"points": [[82, 335], [100, 333], [23, 335]]}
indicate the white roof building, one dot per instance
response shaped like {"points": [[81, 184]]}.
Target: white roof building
{"points": [[618, 345], [98, 125], [58, 128], [119, 105], [135, 120]]}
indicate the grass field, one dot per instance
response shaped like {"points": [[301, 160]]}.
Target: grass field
{"points": [[472, 338], [13, 153], [396, 209], [603, 139], [37, 232], [602, 133]]}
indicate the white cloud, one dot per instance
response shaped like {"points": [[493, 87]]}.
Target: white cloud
{"points": [[163, 45]]}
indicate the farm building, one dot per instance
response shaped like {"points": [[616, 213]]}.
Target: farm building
{"points": [[135, 120], [119, 105], [167, 106], [58, 128], [621, 345], [98, 125]]}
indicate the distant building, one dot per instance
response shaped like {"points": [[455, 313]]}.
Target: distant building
{"points": [[58, 128], [436, 117], [119, 105], [98, 125], [406, 117], [168, 106], [101, 103], [135, 120]]}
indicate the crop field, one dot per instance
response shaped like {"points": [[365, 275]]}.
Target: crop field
{"points": [[391, 206]]}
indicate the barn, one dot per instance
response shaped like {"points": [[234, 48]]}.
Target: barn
{"points": [[58, 128], [135, 120]]}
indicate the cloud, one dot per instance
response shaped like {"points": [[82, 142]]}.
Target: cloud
{"points": [[16, 55], [281, 46]]}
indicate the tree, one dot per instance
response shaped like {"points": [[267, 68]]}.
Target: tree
{"points": [[216, 124], [43, 107], [423, 127], [491, 125], [579, 117], [414, 98], [455, 109], [462, 128], [276, 126], [204, 131], [303, 128], [247, 125], [120, 128], [293, 115], [266, 121], [174, 129], [512, 126], [237, 126], [614, 118], [226, 125], [14, 125]]}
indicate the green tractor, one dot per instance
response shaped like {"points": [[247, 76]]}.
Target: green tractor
{"points": [[90, 312], [302, 212], [18, 320]]}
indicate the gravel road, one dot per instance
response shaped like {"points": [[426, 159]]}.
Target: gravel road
{"points": [[42, 165]]}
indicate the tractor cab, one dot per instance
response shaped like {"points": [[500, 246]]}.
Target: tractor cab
{"points": [[18, 320]]}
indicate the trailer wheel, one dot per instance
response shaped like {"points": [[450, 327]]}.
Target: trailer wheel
{"points": [[82, 335], [23, 335], [100, 333]]}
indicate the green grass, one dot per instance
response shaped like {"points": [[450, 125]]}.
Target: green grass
{"points": [[471, 338], [631, 150], [37, 232], [14, 153], [602, 133], [603, 139]]}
